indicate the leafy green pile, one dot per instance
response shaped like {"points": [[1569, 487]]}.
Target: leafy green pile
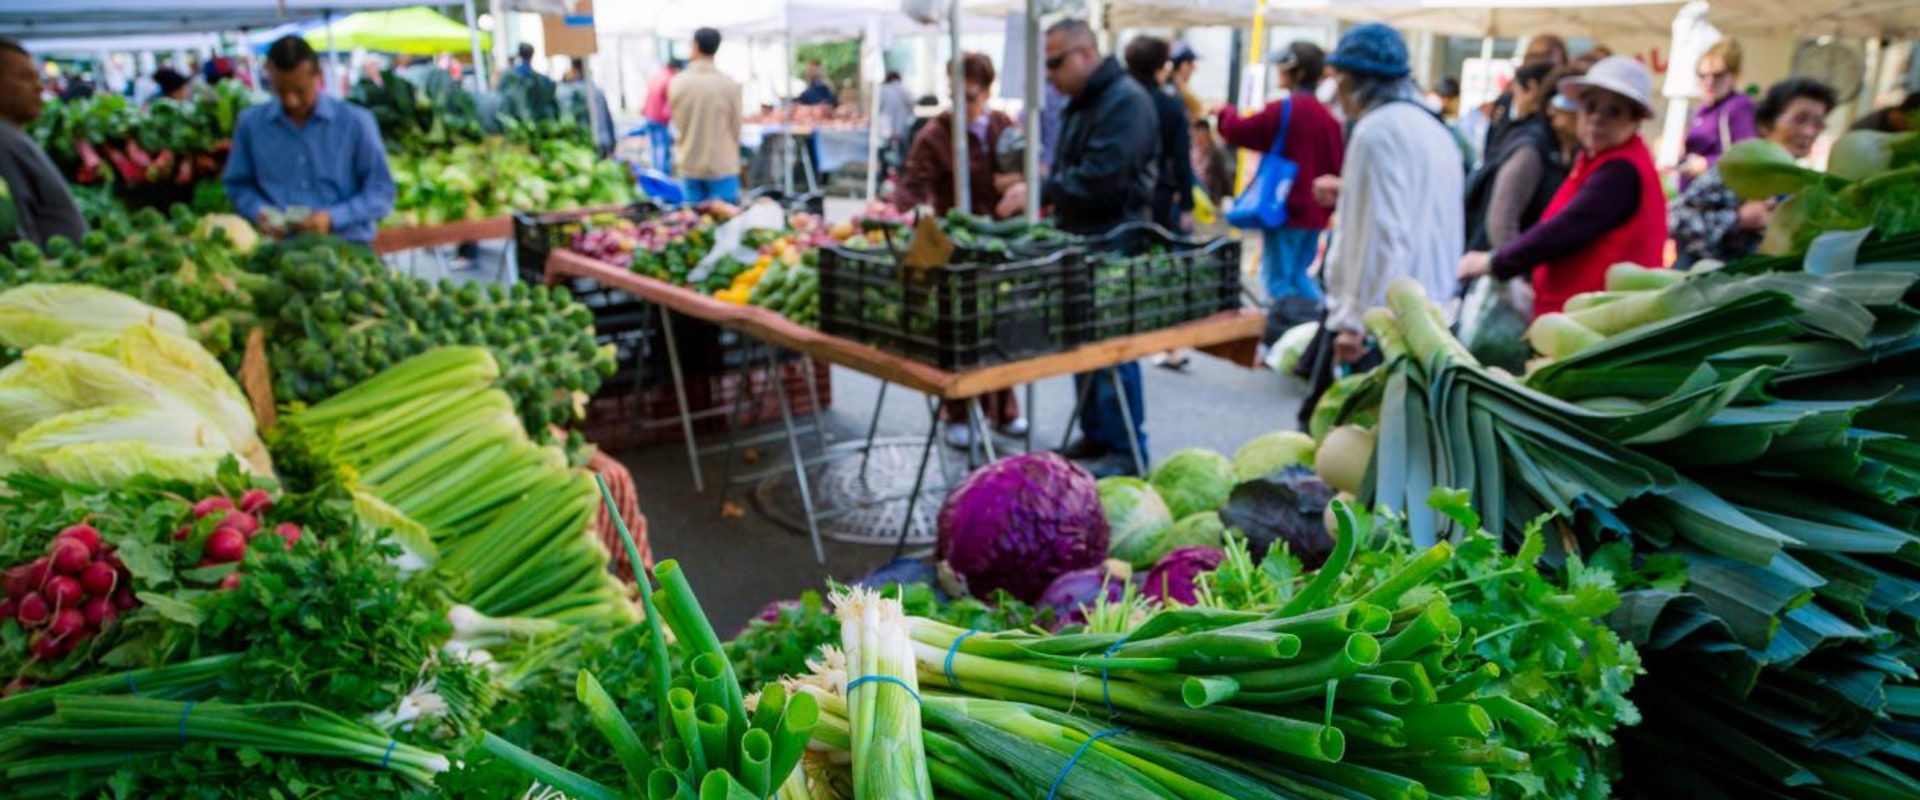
{"points": [[494, 178], [338, 316], [104, 139], [171, 261], [1874, 182]]}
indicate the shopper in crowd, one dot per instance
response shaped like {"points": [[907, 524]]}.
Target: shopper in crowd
{"points": [[1212, 165], [1708, 220], [706, 124], [1725, 115], [659, 115], [928, 180], [1105, 165], [1395, 197], [1545, 48], [1314, 145], [896, 120], [41, 203], [1585, 61], [1511, 189], [1611, 209], [1892, 119], [1146, 58], [307, 162], [586, 104], [172, 84], [1180, 80], [818, 91], [525, 93]]}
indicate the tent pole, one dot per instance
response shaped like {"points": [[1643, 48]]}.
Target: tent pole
{"points": [[962, 117], [473, 39], [873, 84], [1036, 99]]}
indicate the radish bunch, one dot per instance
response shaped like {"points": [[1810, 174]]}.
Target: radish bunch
{"points": [[68, 595], [233, 529]]}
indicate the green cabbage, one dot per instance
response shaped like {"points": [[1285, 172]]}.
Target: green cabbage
{"points": [[1137, 517], [1194, 480], [49, 313], [1204, 529], [1272, 454]]}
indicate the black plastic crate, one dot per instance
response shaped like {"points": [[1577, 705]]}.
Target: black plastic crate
{"points": [[967, 314], [1140, 278], [535, 235]]}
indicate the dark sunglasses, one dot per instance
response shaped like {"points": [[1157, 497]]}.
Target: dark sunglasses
{"points": [[1054, 62]]}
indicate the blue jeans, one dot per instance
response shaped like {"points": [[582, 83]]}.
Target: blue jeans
{"points": [[1285, 255], [1100, 419], [660, 141], [727, 188]]}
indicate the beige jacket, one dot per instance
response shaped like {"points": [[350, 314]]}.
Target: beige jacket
{"points": [[706, 122]]}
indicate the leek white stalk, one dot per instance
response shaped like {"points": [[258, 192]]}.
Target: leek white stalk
{"points": [[1558, 335], [1630, 277], [883, 698]]}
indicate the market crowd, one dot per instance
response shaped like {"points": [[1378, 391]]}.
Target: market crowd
{"points": [[1362, 178]]}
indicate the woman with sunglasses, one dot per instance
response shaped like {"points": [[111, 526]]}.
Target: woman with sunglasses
{"points": [[1725, 115], [1611, 209], [1708, 221]]}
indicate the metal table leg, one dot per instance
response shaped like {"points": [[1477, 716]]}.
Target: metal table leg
{"points": [[799, 463], [813, 395], [745, 382], [873, 427], [1126, 418], [919, 480], [1079, 406], [978, 419], [1033, 418], [680, 393]]}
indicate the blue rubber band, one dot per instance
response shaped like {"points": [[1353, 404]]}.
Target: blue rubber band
{"points": [[1064, 771], [865, 679], [952, 650], [1105, 695], [132, 688], [183, 720], [388, 758]]}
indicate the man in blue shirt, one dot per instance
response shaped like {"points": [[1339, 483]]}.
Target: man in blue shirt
{"points": [[308, 163]]}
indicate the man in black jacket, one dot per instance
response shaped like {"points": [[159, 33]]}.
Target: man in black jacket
{"points": [[1104, 171]]}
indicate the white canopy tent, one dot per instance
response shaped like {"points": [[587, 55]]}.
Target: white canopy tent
{"points": [[44, 19], [117, 44]]}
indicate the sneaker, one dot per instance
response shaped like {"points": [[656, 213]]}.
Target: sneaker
{"points": [[959, 436], [1016, 428], [1084, 449]]}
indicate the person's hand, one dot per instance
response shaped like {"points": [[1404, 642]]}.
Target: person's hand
{"points": [[1186, 222], [1755, 214], [1006, 180], [1694, 166], [1013, 200], [317, 221], [1326, 190], [1349, 346], [267, 223], [1475, 264]]}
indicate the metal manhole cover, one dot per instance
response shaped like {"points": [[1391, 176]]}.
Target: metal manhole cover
{"points": [[862, 509]]}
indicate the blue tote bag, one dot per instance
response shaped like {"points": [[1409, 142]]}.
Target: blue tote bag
{"points": [[1263, 206]]}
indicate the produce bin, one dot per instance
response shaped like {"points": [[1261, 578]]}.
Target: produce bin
{"points": [[1140, 278], [987, 309]]}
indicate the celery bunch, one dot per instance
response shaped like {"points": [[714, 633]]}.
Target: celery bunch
{"points": [[434, 440]]}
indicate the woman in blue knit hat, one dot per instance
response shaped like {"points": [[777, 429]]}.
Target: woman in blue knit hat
{"points": [[1396, 202]]}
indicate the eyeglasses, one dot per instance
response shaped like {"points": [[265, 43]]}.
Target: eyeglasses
{"points": [[1714, 76], [1054, 62], [1606, 111]]}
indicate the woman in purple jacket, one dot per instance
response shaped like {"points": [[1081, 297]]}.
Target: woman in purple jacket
{"points": [[1725, 115]]}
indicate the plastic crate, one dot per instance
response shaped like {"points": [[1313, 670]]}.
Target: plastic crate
{"points": [[964, 315], [1140, 278]]}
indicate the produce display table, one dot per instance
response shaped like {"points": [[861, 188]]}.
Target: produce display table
{"points": [[395, 240], [1233, 335]]}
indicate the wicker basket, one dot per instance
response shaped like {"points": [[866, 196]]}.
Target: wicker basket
{"points": [[627, 499]]}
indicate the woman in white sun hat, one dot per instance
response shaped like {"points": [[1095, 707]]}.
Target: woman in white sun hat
{"points": [[1612, 207]]}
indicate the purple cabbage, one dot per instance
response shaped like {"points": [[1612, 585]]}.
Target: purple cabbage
{"points": [[1071, 593], [1172, 580], [1020, 522]]}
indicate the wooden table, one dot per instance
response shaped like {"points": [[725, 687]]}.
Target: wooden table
{"points": [[394, 240], [1234, 335]]}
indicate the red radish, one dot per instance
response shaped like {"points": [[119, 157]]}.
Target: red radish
{"points": [[289, 532], [124, 600], [100, 613], [16, 686], [7, 608], [240, 521], [85, 534], [70, 556], [231, 581], [210, 505], [254, 501], [18, 581], [66, 623], [226, 546], [63, 592], [45, 648], [33, 611], [182, 533], [99, 579]]}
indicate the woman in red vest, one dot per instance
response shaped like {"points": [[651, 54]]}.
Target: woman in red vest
{"points": [[1612, 207]]}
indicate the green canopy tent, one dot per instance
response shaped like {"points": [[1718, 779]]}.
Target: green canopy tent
{"points": [[417, 31]]}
